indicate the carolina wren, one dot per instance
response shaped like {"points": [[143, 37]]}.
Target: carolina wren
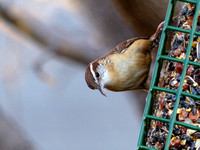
{"points": [[125, 67]]}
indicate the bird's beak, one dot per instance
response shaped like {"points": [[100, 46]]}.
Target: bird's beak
{"points": [[101, 89]]}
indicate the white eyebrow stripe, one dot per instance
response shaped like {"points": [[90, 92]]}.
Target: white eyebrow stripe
{"points": [[92, 71]]}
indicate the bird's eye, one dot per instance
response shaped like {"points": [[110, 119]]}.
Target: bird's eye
{"points": [[97, 74]]}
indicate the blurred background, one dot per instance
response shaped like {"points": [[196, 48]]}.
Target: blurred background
{"points": [[45, 46]]}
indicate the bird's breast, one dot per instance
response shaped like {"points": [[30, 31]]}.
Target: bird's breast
{"points": [[128, 69]]}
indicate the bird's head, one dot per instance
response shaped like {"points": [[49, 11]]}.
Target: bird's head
{"points": [[96, 76]]}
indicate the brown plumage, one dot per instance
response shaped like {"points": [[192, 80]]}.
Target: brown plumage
{"points": [[125, 67]]}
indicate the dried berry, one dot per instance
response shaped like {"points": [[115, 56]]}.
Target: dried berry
{"points": [[178, 67], [175, 143], [183, 130], [161, 104], [190, 20], [183, 115], [185, 86], [190, 70], [194, 117], [159, 124]]}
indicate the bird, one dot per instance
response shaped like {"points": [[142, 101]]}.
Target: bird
{"points": [[125, 67]]}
